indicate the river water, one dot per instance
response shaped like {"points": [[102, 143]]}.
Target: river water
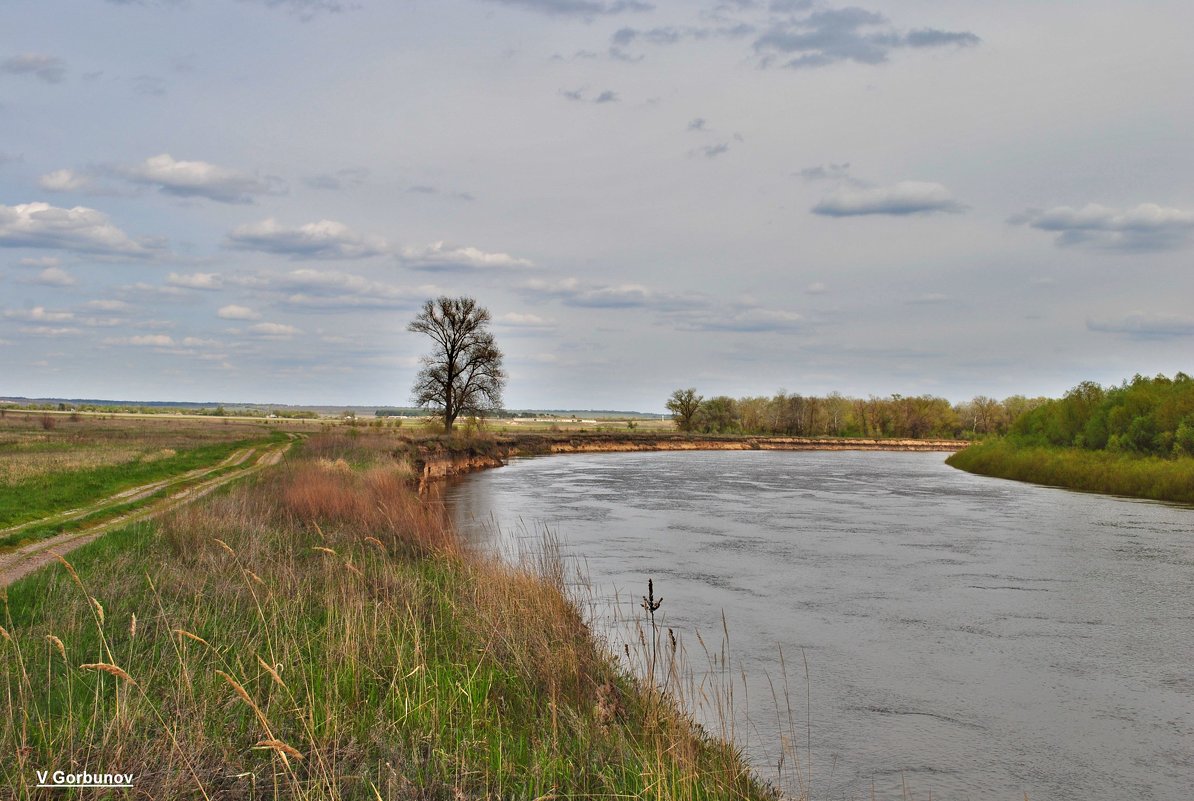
{"points": [[970, 637]]}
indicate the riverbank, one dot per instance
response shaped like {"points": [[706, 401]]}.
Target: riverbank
{"points": [[319, 633], [440, 457], [1148, 477]]}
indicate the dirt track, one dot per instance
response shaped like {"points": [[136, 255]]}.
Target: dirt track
{"points": [[27, 558]]}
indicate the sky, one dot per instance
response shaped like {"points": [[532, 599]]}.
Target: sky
{"points": [[249, 200]]}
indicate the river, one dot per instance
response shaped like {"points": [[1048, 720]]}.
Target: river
{"points": [[970, 637]]}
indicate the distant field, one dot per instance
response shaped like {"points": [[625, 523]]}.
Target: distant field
{"points": [[51, 463], [28, 448]]}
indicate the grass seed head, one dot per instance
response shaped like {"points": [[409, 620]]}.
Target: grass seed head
{"points": [[280, 748], [57, 643], [107, 667]]}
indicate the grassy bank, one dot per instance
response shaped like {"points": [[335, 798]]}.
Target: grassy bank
{"points": [[1132, 475], [319, 634]]}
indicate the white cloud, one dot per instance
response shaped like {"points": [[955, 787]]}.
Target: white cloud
{"points": [[108, 305], [40, 225], [67, 181], [274, 330], [743, 320], [199, 342], [574, 292], [143, 340], [325, 239], [328, 290], [443, 256], [234, 312], [200, 179], [53, 276], [49, 331], [208, 282], [38, 314], [906, 197], [527, 321], [1148, 226], [43, 261]]}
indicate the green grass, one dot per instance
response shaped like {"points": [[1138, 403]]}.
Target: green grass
{"points": [[405, 667], [50, 493], [1135, 476], [38, 532]]}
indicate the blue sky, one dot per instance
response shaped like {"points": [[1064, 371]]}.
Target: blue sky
{"points": [[247, 200]]}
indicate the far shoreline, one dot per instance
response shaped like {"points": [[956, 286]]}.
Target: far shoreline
{"points": [[444, 457]]}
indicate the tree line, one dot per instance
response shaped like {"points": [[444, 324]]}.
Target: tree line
{"points": [[1147, 416], [836, 415]]}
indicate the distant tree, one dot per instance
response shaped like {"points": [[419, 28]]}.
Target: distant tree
{"points": [[718, 416], [463, 373], [683, 404]]}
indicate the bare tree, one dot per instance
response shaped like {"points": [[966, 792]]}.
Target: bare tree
{"points": [[463, 374]]}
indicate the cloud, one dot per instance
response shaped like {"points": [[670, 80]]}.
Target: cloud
{"points": [[669, 35], [528, 322], [53, 276], [583, 294], [1147, 227], [80, 229], [816, 288], [331, 290], [1144, 325], [827, 172], [41, 261], [200, 179], [143, 340], [67, 181], [578, 8], [424, 189], [697, 124], [234, 312], [929, 299], [305, 10], [43, 67], [108, 305], [208, 282], [579, 96], [274, 330], [325, 239], [754, 319], [711, 151], [38, 314], [830, 36], [346, 178], [50, 331], [906, 197], [441, 256]]}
